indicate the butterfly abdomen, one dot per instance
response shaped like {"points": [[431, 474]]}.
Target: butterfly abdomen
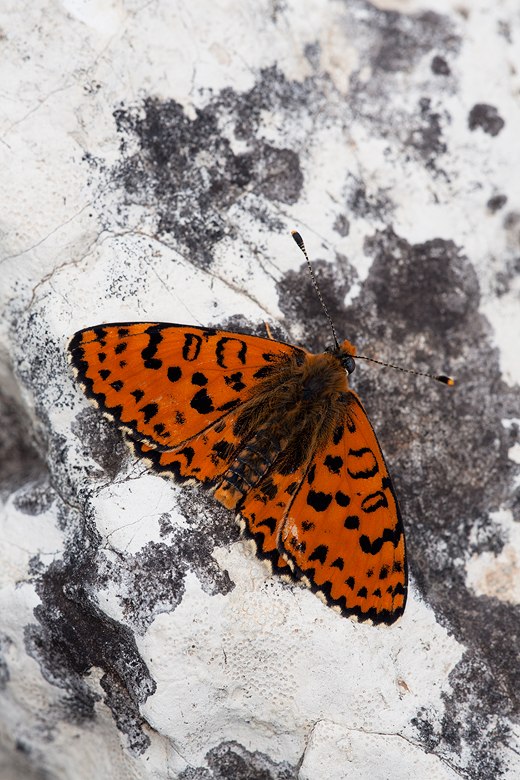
{"points": [[292, 413], [248, 468]]}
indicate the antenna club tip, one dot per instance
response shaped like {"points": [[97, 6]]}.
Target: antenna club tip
{"points": [[445, 380], [297, 238]]}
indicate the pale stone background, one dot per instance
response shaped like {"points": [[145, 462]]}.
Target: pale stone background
{"points": [[154, 158]]}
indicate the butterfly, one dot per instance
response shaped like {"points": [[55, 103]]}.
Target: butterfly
{"points": [[277, 435]]}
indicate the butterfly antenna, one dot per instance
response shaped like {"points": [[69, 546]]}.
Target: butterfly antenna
{"points": [[441, 378], [299, 241], [446, 380]]}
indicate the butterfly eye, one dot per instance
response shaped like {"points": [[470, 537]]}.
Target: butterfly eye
{"points": [[349, 364]]}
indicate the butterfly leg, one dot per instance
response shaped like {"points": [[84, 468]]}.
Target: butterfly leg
{"points": [[268, 329]]}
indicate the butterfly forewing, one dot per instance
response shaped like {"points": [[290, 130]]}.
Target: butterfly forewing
{"points": [[166, 383], [343, 532]]}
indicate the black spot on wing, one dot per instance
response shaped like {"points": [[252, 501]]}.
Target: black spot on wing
{"points": [[362, 593], [373, 502], [342, 499], [191, 346], [149, 411], [235, 381], [351, 522], [333, 463], [263, 372], [351, 582], [269, 522], [102, 356], [199, 379], [174, 373], [320, 502], [362, 464], [202, 402], [296, 545], [338, 563], [121, 347], [138, 394], [104, 373], [117, 385], [223, 450], [338, 434], [221, 350], [373, 548], [319, 554], [188, 453], [268, 488], [148, 353]]}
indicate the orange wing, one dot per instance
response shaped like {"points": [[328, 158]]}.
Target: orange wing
{"points": [[174, 389], [343, 533], [336, 522]]}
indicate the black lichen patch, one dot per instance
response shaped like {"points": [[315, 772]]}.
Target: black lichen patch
{"points": [[35, 498], [426, 133], [439, 66], [496, 203], [485, 117], [101, 440], [153, 580], [390, 43], [342, 225], [187, 166], [506, 278], [470, 721], [19, 460], [362, 203], [447, 452], [5, 645], [423, 288], [72, 636], [231, 761], [403, 39]]}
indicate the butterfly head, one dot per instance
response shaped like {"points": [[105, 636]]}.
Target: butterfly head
{"points": [[345, 353]]}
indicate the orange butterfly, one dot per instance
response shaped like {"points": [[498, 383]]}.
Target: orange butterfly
{"points": [[278, 436]]}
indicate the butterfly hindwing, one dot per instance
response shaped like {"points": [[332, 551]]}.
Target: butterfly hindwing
{"points": [[262, 513], [205, 457], [343, 533]]}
